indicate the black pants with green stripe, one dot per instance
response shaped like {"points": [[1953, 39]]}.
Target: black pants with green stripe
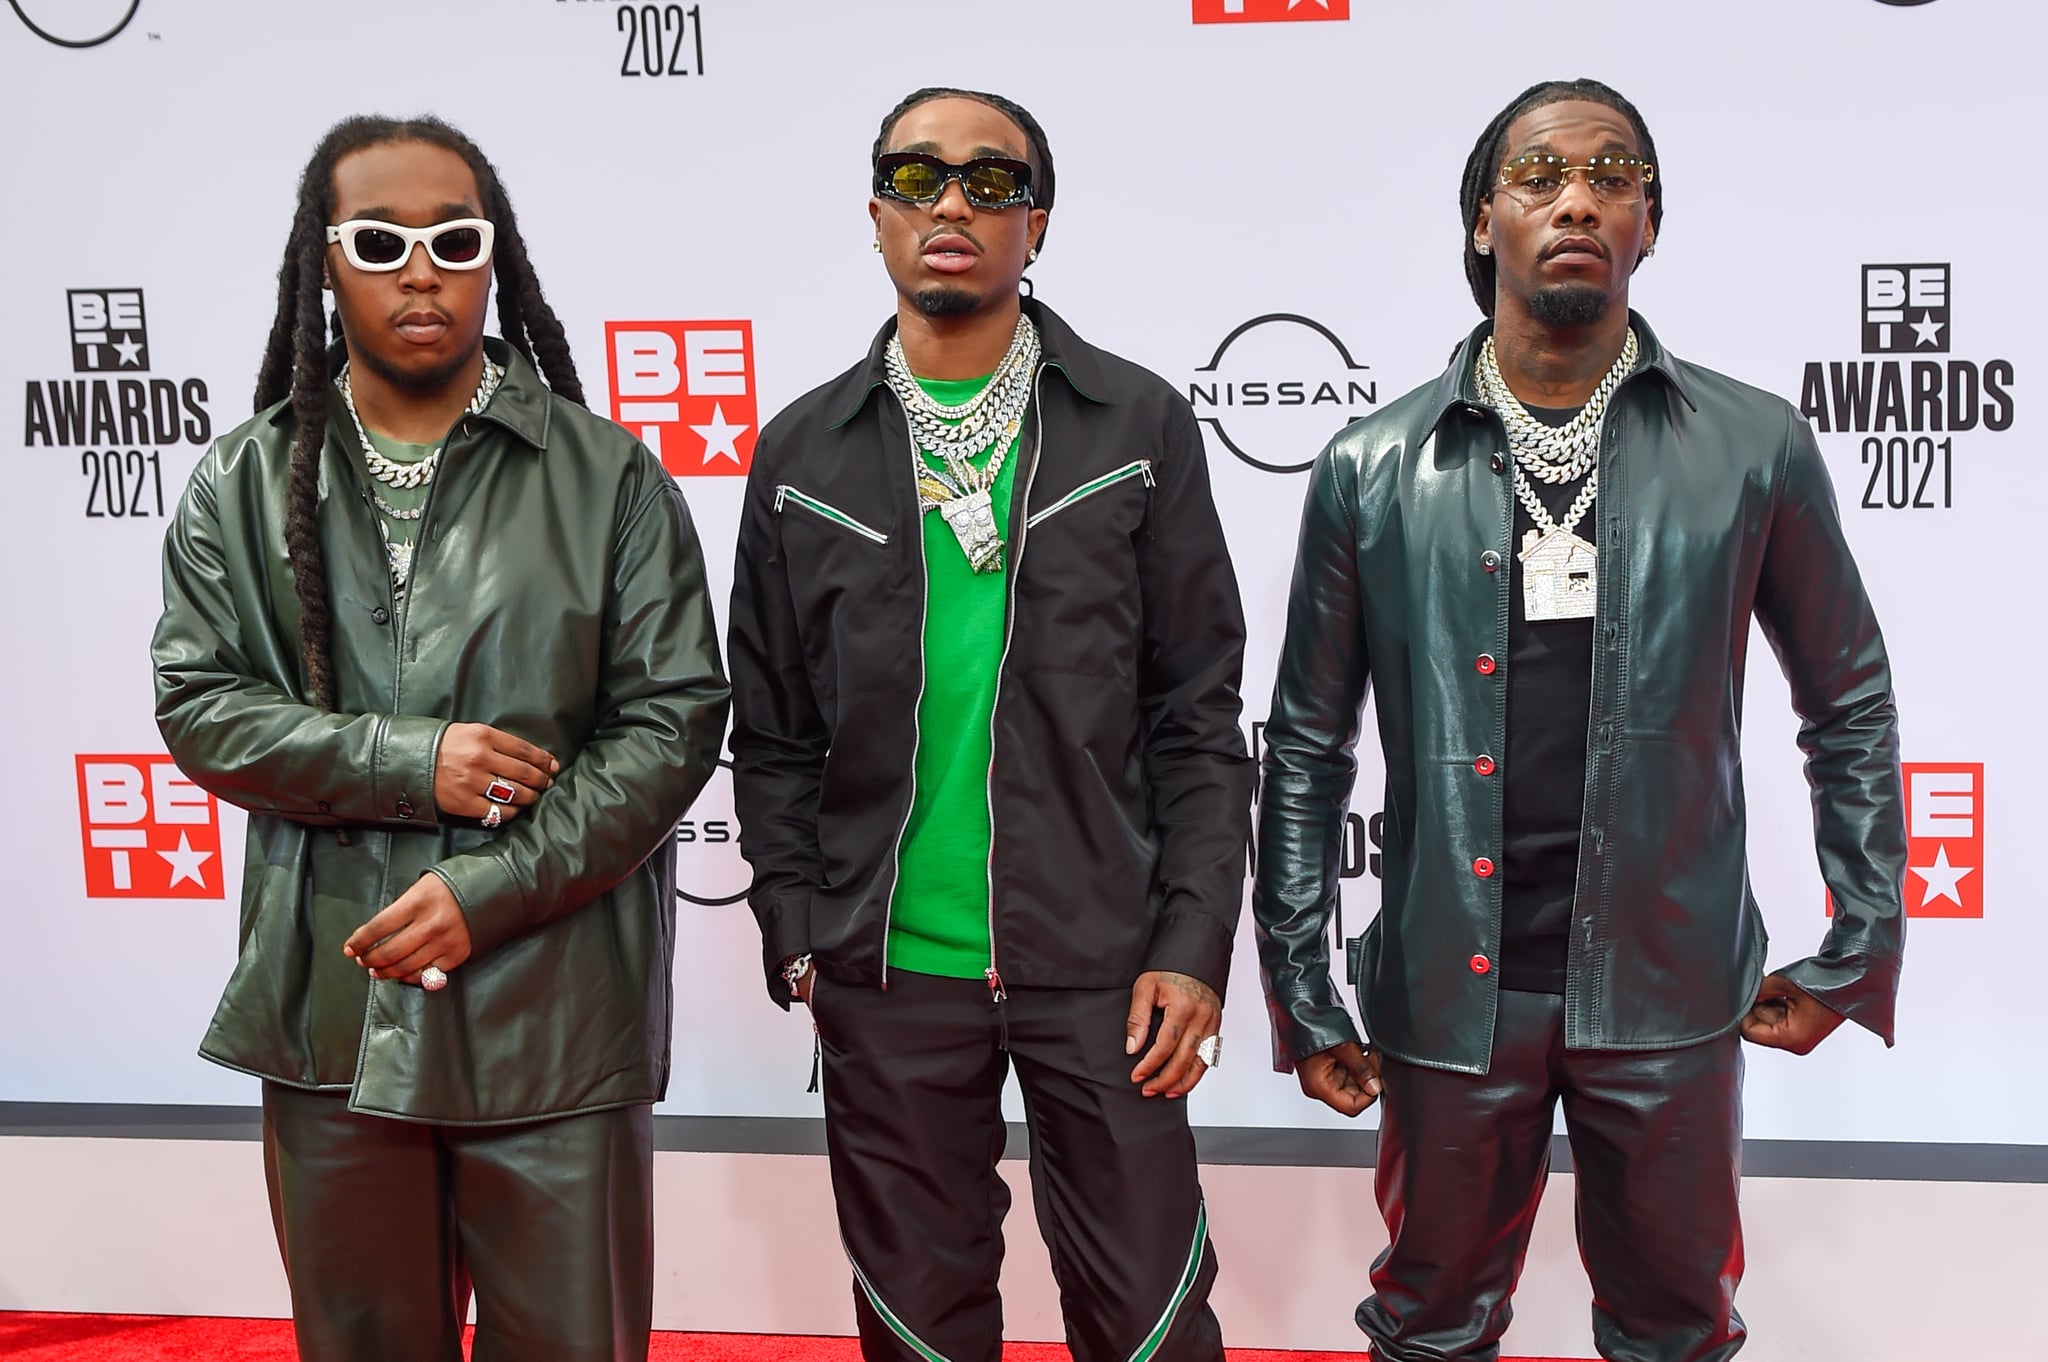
{"points": [[913, 1121]]}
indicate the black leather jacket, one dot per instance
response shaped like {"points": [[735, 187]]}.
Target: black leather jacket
{"points": [[1120, 787], [1714, 506]]}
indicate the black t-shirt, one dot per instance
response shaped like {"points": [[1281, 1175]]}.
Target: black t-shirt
{"points": [[1550, 695]]}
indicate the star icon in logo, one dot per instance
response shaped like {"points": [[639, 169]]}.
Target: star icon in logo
{"points": [[719, 436], [1325, 4], [1943, 880], [186, 864], [1926, 331]]}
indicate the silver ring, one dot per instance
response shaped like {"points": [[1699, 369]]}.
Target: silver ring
{"points": [[433, 978], [500, 790], [495, 816], [1210, 1051]]}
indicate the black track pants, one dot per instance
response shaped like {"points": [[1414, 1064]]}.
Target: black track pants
{"points": [[1657, 1139], [913, 1121], [384, 1226]]}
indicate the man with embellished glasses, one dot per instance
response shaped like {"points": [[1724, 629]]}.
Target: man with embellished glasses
{"points": [[986, 646], [1547, 560], [445, 635]]}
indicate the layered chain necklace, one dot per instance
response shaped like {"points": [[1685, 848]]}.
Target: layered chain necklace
{"points": [[956, 435], [1560, 571], [407, 476]]}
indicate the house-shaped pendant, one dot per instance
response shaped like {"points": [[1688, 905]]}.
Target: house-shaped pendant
{"points": [[1560, 576]]}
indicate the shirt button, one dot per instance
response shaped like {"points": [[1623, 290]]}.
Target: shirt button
{"points": [[405, 808], [1490, 561], [1481, 965], [1486, 664], [380, 616], [1482, 867], [1499, 462], [1484, 766]]}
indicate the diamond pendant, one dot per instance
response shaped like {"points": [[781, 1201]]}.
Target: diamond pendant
{"points": [[1560, 576], [974, 525], [399, 553]]}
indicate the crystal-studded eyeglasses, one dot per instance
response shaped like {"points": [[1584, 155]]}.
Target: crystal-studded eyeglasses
{"points": [[1537, 179], [987, 181]]}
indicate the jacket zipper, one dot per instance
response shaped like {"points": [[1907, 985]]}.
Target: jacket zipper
{"points": [[924, 601], [996, 992], [826, 511], [1141, 468]]}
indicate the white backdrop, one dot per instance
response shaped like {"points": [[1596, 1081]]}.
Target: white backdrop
{"points": [[1211, 174]]}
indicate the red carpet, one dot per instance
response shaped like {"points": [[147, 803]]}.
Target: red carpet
{"points": [[157, 1338]]}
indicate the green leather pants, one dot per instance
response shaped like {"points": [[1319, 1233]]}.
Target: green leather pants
{"points": [[386, 1226]]}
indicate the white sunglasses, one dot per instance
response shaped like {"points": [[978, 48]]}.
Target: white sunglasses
{"points": [[380, 247]]}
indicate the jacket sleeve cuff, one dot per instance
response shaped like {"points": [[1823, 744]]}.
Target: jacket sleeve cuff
{"points": [[490, 899], [1192, 943], [402, 781], [1863, 988], [785, 931], [1303, 1027]]}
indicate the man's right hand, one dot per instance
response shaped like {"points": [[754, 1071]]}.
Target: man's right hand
{"points": [[474, 755], [1345, 1077]]}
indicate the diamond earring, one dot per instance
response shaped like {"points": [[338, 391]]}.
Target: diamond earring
{"points": [[1482, 248]]}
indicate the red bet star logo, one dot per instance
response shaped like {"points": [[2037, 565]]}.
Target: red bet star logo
{"points": [[1945, 839], [148, 832], [687, 390], [1269, 11]]}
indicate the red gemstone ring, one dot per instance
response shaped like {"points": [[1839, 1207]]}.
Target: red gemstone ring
{"points": [[500, 790]]}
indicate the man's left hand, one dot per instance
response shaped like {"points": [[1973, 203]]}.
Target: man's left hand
{"points": [[423, 927], [1787, 1017], [1193, 1011]]}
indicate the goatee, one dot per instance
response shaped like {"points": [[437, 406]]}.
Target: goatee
{"points": [[1567, 305], [942, 301]]}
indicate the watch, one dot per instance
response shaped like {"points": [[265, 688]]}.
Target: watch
{"points": [[793, 971]]}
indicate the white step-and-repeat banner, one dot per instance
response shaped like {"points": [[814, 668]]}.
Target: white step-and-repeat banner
{"points": [[1258, 201]]}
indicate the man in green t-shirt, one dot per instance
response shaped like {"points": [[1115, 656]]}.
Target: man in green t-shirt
{"points": [[986, 645]]}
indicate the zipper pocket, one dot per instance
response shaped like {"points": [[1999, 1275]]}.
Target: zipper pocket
{"points": [[1140, 468], [825, 511]]}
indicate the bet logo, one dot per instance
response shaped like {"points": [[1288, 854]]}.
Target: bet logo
{"points": [[147, 831], [687, 390], [1905, 308], [108, 330], [1269, 11]]}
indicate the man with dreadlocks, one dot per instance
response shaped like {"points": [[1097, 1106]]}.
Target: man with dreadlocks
{"points": [[445, 635], [986, 646], [1548, 560]]}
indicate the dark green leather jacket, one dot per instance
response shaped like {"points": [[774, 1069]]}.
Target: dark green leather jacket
{"points": [[1714, 506], [558, 593]]}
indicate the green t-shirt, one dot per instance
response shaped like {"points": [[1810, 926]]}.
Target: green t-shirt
{"points": [[939, 917]]}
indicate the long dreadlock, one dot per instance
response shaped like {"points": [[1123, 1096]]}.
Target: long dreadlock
{"points": [[1484, 164], [295, 361], [1037, 152]]}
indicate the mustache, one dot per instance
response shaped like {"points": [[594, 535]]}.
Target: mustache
{"points": [[948, 230]]}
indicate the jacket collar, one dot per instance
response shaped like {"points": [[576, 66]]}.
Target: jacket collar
{"points": [[520, 405], [1457, 387], [1080, 363]]}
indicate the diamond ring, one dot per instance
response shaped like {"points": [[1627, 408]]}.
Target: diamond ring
{"points": [[1210, 1051], [433, 978], [495, 816]]}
